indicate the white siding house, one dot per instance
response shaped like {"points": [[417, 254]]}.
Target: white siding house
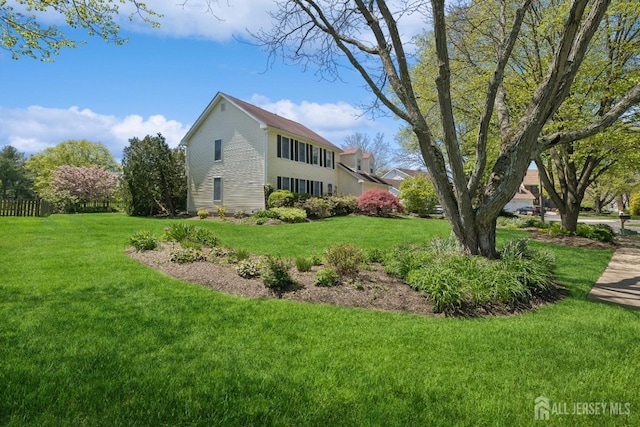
{"points": [[234, 149]]}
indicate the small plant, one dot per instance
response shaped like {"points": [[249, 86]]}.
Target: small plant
{"points": [[315, 258], [203, 213], [343, 205], [374, 255], [204, 236], [184, 256], [249, 269], [238, 255], [344, 257], [303, 264], [178, 231], [266, 214], [222, 212], [275, 274], [143, 241], [238, 214], [327, 277]]}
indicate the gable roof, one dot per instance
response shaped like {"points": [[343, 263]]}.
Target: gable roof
{"points": [[265, 118], [350, 151], [363, 176]]}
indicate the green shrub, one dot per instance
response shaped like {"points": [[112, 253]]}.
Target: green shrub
{"points": [[275, 273], [291, 215], [315, 258], [342, 205], [601, 232], [418, 195], [265, 214], [303, 264], [327, 277], [203, 213], [379, 203], [442, 285], [249, 269], [317, 208], [234, 256], [374, 255], [281, 199], [186, 255], [178, 231], [143, 241], [403, 258], [204, 236], [344, 257], [634, 202], [222, 212], [238, 214]]}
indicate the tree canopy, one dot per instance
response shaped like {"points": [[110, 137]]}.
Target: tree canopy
{"points": [[15, 179], [68, 153], [154, 177], [369, 36], [23, 33]]}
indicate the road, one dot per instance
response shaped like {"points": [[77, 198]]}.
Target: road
{"points": [[613, 222]]}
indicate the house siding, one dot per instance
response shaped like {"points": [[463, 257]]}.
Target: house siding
{"points": [[241, 168], [279, 167]]}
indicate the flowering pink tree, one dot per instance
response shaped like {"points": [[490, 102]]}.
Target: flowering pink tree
{"points": [[76, 184], [379, 203]]}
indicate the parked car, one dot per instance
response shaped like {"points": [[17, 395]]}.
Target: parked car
{"points": [[528, 210]]}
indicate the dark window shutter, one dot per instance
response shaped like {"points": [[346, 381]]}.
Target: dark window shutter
{"points": [[279, 144], [333, 160], [291, 149], [321, 188], [279, 183]]}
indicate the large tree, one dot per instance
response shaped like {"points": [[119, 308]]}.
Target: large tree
{"points": [[369, 35], [15, 179], [23, 33], [68, 153], [154, 177]]}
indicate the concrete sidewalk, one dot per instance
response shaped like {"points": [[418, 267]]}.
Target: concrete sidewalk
{"points": [[620, 282]]}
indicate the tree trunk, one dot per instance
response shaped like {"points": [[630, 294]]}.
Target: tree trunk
{"points": [[570, 216]]}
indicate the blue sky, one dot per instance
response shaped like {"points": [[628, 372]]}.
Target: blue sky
{"points": [[162, 79]]}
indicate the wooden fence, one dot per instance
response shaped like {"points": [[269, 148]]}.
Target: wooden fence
{"points": [[19, 207]]}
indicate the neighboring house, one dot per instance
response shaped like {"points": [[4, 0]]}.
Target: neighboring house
{"points": [[527, 194], [396, 175], [356, 173], [235, 149]]}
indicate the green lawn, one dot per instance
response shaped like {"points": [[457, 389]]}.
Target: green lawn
{"points": [[90, 337]]}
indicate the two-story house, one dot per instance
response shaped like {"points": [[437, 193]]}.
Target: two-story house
{"points": [[235, 149]]}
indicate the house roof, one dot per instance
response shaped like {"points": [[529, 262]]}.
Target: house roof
{"points": [[531, 178], [523, 194], [350, 151], [395, 183], [366, 155], [265, 118], [364, 176]]}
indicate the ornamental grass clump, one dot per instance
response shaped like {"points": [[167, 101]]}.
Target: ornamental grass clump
{"points": [[345, 258], [457, 283], [275, 273], [143, 241]]}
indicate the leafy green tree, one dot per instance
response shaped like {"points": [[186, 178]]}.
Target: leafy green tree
{"points": [[154, 177], [22, 34], [418, 195], [15, 179], [80, 153], [500, 141]]}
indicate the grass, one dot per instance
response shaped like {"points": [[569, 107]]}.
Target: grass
{"points": [[90, 337]]}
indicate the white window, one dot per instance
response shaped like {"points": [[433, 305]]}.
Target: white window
{"points": [[302, 152], [217, 189], [217, 150], [315, 156], [330, 189], [286, 183], [284, 148], [328, 159], [302, 186]]}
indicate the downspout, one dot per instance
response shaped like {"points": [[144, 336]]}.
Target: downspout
{"points": [[266, 161]]}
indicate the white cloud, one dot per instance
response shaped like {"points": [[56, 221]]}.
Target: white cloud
{"points": [[35, 128], [222, 20], [334, 121]]}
